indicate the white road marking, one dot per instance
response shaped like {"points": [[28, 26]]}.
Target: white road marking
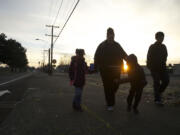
{"points": [[4, 92], [21, 77]]}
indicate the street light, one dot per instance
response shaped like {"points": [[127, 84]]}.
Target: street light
{"points": [[41, 40]]}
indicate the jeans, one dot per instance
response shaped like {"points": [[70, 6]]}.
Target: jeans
{"points": [[77, 97], [161, 81]]}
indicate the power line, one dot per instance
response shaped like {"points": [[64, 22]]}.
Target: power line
{"points": [[58, 12], [52, 2], [50, 8], [55, 7], [69, 10], [65, 11], [66, 21]]}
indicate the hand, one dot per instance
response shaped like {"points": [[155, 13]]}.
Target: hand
{"points": [[144, 83], [116, 80], [92, 71], [124, 80], [71, 82]]}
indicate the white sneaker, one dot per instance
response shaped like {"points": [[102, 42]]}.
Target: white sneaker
{"points": [[110, 108]]}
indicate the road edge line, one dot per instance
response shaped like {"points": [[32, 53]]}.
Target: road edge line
{"points": [[16, 79]]}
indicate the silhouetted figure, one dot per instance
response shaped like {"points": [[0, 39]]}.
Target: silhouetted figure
{"points": [[109, 60], [156, 62], [77, 70], [137, 80]]}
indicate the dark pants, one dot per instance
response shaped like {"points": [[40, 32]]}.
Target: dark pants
{"points": [[110, 87], [135, 92], [161, 81]]}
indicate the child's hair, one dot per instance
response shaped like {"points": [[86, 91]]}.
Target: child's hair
{"points": [[110, 30], [132, 59], [159, 34], [80, 52]]}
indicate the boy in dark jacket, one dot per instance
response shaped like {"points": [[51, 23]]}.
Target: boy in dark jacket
{"points": [[137, 79], [77, 71], [156, 62]]}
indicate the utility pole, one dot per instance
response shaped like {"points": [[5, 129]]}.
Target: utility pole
{"points": [[49, 61], [45, 53], [44, 58], [43, 61], [51, 50]]}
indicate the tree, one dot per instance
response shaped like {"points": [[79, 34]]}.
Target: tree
{"points": [[12, 53], [2, 46]]}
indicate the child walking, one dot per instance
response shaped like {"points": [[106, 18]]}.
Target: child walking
{"points": [[137, 80], [77, 70]]}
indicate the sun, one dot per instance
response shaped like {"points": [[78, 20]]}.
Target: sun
{"points": [[126, 68]]}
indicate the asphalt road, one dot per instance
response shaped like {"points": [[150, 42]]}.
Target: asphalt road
{"points": [[42, 105], [5, 77]]}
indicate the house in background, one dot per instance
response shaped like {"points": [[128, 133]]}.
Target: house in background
{"points": [[176, 69]]}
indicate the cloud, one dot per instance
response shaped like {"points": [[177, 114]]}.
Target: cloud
{"points": [[134, 22]]}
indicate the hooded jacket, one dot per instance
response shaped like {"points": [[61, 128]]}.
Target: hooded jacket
{"points": [[77, 70]]}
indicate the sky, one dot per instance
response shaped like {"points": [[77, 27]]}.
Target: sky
{"points": [[135, 23]]}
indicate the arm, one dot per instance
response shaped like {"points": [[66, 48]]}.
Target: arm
{"points": [[143, 76], [123, 53], [149, 57], [96, 57], [71, 71], [165, 54], [87, 71]]}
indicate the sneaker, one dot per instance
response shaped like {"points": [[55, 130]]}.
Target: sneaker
{"points": [[80, 109], [74, 106], [128, 108], [159, 103], [136, 111], [110, 108], [77, 108]]}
